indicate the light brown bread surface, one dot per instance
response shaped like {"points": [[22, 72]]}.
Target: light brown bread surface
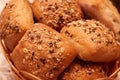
{"points": [[43, 52], [80, 70], [56, 13], [15, 19], [103, 11], [96, 42]]}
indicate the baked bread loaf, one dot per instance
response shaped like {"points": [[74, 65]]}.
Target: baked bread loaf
{"points": [[80, 70], [95, 41], [43, 52], [103, 11], [56, 13], [15, 19]]}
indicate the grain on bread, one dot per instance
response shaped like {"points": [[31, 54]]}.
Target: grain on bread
{"points": [[96, 42], [43, 52], [15, 19], [81, 70], [56, 13], [103, 11]]}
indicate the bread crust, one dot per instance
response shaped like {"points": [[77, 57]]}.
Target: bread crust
{"points": [[15, 19], [103, 11], [43, 52], [56, 13], [96, 42], [80, 70]]}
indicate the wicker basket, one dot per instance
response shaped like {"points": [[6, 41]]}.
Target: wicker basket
{"points": [[22, 75]]}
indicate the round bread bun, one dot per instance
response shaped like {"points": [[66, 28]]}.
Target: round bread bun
{"points": [[56, 13], [43, 52], [15, 19], [95, 41], [80, 70]]}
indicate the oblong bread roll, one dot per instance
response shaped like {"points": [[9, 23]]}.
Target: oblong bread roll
{"points": [[15, 19], [56, 13], [96, 42], [43, 52], [81, 70]]}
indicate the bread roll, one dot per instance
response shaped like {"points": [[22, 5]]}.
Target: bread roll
{"points": [[80, 70], [95, 41], [103, 11], [56, 13], [43, 52], [15, 19]]}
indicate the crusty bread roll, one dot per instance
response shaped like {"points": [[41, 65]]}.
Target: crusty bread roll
{"points": [[103, 11], [95, 41], [56, 13], [43, 52], [15, 19], [80, 70]]}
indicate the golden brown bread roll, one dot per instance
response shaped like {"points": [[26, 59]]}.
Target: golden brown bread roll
{"points": [[15, 19], [80, 70], [56, 13], [43, 52], [96, 42], [103, 11]]}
